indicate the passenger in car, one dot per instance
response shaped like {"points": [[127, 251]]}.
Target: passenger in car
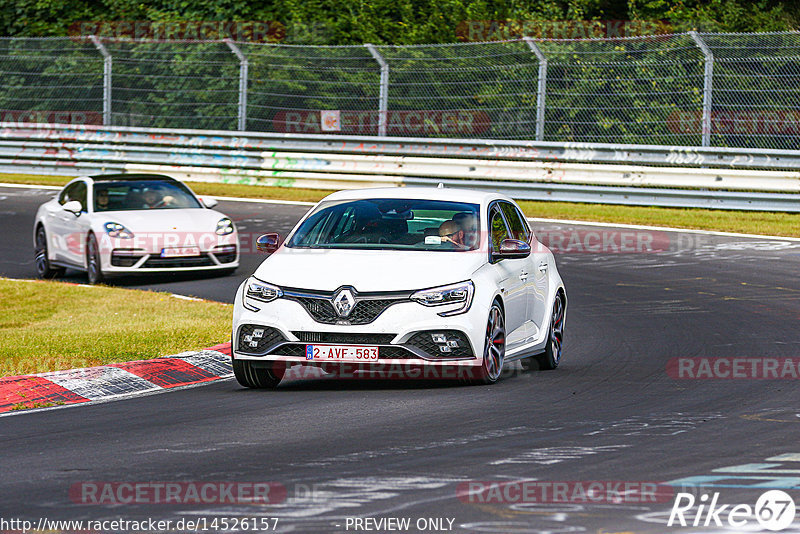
{"points": [[468, 222], [154, 198]]}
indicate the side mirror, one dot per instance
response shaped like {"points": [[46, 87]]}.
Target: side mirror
{"points": [[512, 249], [209, 202], [268, 243], [73, 206]]}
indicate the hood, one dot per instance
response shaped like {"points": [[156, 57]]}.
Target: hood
{"points": [[165, 220], [367, 270]]}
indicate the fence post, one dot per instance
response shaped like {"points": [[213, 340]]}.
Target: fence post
{"points": [[541, 89], [383, 102], [708, 78], [243, 75], [106, 78]]}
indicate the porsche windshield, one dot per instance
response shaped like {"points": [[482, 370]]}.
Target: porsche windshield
{"points": [[388, 223], [142, 195]]}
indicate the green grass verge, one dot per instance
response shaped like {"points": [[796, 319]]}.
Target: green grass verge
{"points": [[34, 179], [764, 223], [47, 326]]}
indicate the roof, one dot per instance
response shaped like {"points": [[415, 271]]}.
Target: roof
{"points": [[425, 193], [119, 177]]}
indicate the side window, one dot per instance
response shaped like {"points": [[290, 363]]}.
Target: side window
{"points": [[519, 227], [76, 191], [498, 228], [79, 194], [528, 229], [66, 193]]}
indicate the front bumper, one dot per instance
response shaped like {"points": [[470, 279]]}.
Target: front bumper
{"points": [[402, 332], [124, 258]]}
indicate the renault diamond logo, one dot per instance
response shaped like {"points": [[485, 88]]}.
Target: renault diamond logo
{"points": [[343, 302]]}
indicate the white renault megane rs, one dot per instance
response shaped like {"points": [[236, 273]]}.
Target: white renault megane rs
{"points": [[381, 281], [131, 223]]}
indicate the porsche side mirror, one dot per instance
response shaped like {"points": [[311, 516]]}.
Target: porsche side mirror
{"points": [[268, 243], [209, 202], [73, 206]]}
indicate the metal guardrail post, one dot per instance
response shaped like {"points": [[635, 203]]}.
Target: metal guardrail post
{"points": [[106, 78], [708, 78], [243, 75], [383, 102], [541, 89]]}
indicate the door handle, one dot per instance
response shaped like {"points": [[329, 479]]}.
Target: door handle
{"points": [[523, 275], [543, 267]]}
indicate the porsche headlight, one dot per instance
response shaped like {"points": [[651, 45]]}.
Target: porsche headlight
{"points": [[451, 294], [255, 292], [224, 226], [117, 230]]}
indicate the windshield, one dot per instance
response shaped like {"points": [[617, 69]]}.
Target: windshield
{"points": [[142, 195], [390, 224]]}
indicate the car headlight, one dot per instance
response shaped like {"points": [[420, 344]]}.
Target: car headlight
{"points": [[255, 292], [224, 226], [117, 230], [450, 294]]}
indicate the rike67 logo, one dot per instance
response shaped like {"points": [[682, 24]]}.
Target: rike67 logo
{"points": [[774, 510]]}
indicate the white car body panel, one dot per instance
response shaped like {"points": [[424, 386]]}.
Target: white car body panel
{"points": [[153, 230], [526, 291]]}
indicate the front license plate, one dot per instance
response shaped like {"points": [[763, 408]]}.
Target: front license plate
{"points": [[181, 252], [341, 353]]}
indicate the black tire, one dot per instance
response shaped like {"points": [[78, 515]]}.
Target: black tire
{"points": [[94, 271], [250, 376], [551, 357], [44, 269], [494, 350]]}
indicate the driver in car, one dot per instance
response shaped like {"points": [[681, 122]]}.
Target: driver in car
{"points": [[154, 199], [101, 200], [452, 233]]}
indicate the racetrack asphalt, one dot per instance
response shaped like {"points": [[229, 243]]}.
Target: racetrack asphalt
{"points": [[344, 449]]}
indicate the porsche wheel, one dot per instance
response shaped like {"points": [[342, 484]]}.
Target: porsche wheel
{"points": [[43, 267], [93, 269]]}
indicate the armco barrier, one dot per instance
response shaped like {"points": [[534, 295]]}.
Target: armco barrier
{"points": [[617, 174]]}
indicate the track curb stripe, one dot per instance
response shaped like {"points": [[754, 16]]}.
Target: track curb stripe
{"points": [[114, 380], [33, 391], [167, 372]]}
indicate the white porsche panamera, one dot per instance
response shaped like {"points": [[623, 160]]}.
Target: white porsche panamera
{"points": [[381, 280], [131, 223]]}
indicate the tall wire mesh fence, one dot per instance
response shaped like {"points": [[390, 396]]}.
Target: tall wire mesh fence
{"points": [[740, 90]]}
